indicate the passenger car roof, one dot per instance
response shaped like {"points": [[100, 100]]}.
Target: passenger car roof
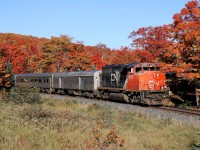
{"points": [[75, 73], [34, 75]]}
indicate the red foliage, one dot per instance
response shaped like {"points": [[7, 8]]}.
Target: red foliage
{"points": [[123, 56], [100, 55], [19, 50], [152, 40], [187, 36]]}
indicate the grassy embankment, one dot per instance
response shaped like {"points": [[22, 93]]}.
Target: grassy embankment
{"points": [[55, 124]]}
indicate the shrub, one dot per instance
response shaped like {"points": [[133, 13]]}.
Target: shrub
{"points": [[23, 94], [103, 113], [35, 113], [196, 146], [100, 141], [3, 93]]}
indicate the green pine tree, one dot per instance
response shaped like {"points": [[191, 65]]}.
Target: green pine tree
{"points": [[10, 71]]}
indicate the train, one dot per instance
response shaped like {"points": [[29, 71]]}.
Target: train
{"points": [[136, 83]]}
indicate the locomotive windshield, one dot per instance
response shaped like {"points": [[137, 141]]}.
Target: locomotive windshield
{"points": [[138, 69], [152, 68]]}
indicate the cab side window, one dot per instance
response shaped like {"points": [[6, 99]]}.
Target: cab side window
{"points": [[138, 69]]}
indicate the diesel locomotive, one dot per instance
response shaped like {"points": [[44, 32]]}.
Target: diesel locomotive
{"points": [[140, 83]]}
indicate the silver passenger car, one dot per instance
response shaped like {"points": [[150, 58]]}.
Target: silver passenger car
{"points": [[40, 80], [73, 82]]}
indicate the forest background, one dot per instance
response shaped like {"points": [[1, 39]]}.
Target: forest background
{"points": [[175, 46]]}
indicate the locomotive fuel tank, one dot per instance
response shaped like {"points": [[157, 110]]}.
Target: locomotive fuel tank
{"points": [[118, 97]]}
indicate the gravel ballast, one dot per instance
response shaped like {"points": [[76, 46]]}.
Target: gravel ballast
{"points": [[147, 111]]}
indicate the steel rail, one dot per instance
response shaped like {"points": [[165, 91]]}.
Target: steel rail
{"points": [[162, 108], [180, 110]]}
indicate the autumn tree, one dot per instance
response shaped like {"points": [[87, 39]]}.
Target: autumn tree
{"points": [[106, 53], [141, 56], [186, 29], [186, 36], [19, 49], [100, 55], [78, 58], [153, 41], [5, 77], [123, 56], [54, 54]]}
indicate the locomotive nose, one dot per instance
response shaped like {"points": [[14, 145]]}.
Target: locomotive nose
{"points": [[156, 81]]}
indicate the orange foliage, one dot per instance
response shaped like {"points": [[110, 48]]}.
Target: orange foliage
{"points": [[123, 56], [54, 54], [78, 59], [187, 35], [100, 55], [153, 41]]}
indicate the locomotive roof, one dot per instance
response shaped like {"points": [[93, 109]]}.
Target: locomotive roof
{"points": [[76, 73], [131, 65], [122, 65], [59, 74]]}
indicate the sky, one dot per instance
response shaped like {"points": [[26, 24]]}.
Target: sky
{"points": [[109, 22]]}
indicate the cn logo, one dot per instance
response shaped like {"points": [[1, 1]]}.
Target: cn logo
{"points": [[115, 77], [153, 83]]}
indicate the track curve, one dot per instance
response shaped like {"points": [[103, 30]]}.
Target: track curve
{"points": [[180, 110], [152, 112]]}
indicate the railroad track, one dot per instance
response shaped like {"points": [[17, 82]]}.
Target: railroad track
{"points": [[190, 119], [180, 110], [172, 109]]}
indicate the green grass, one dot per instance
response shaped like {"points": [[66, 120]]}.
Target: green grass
{"points": [[56, 124]]}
